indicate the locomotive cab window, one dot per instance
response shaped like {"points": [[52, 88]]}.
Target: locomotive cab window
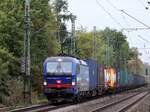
{"points": [[54, 68]]}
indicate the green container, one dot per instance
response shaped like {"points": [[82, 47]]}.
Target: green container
{"points": [[123, 78]]}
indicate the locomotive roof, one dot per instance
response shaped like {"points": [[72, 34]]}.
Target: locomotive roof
{"points": [[65, 58]]}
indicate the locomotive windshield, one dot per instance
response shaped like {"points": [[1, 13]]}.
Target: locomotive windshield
{"points": [[59, 68]]}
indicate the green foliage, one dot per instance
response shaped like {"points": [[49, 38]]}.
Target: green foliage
{"points": [[111, 47], [84, 43], [43, 41], [118, 42], [60, 8], [135, 65], [7, 63], [11, 33]]}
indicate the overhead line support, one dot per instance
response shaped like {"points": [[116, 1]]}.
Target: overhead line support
{"points": [[27, 75]]}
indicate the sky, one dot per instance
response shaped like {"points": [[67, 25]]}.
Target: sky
{"points": [[107, 13]]}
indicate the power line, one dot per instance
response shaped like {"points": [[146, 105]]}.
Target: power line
{"points": [[144, 39], [135, 19], [103, 8], [135, 29], [111, 4]]}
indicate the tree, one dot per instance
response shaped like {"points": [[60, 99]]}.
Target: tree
{"points": [[7, 63], [85, 46], [43, 42], [135, 65], [112, 49], [11, 26], [120, 46], [62, 15]]}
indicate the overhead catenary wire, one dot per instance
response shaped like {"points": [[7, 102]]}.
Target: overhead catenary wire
{"points": [[135, 19], [135, 29], [112, 5], [144, 39], [115, 20], [110, 15], [128, 29]]}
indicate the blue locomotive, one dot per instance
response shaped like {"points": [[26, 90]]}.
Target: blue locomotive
{"points": [[65, 77]]}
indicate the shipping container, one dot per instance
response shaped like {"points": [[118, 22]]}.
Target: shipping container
{"points": [[93, 74], [110, 78], [130, 80], [101, 77], [123, 78], [139, 80]]}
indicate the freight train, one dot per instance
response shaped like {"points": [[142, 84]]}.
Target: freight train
{"points": [[70, 78]]}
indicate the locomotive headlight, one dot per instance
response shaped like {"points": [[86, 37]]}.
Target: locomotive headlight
{"points": [[45, 83], [73, 83]]}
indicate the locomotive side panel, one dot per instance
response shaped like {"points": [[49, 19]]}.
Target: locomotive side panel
{"points": [[83, 78]]}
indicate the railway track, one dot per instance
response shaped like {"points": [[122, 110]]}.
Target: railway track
{"points": [[92, 105], [95, 105], [40, 108], [33, 108], [3, 108], [123, 104]]}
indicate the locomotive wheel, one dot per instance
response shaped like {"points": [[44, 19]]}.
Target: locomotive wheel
{"points": [[77, 99]]}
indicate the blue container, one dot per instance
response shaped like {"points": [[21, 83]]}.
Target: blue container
{"points": [[93, 74], [130, 79], [139, 80]]}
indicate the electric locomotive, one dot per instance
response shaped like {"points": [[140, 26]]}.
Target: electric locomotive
{"points": [[64, 77]]}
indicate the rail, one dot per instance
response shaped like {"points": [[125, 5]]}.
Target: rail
{"points": [[123, 104]]}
